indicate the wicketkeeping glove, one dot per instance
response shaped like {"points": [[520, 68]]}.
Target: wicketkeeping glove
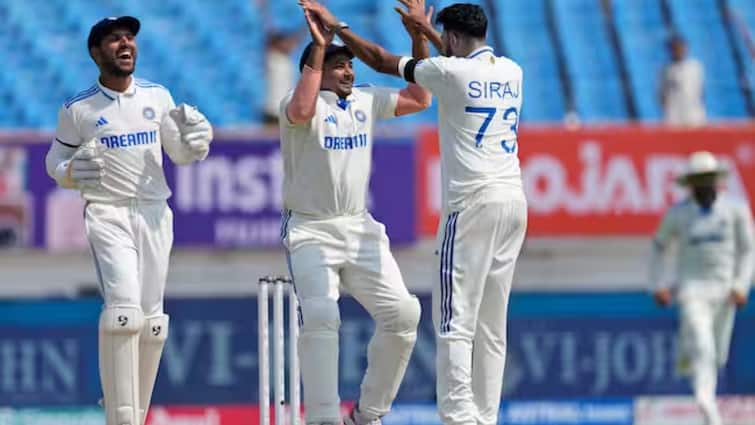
{"points": [[196, 131], [87, 165]]}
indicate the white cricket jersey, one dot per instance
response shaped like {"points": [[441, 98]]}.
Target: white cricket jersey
{"points": [[683, 89], [714, 246], [327, 161], [479, 103], [127, 128]]}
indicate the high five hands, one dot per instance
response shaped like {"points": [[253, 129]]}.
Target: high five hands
{"points": [[415, 19], [322, 33]]}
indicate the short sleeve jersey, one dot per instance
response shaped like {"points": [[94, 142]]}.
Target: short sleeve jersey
{"points": [[479, 104], [126, 127], [327, 161]]}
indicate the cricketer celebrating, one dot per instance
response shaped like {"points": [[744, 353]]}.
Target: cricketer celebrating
{"points": [[484, 211], [108, 145], [714, 235], [331, 240]]}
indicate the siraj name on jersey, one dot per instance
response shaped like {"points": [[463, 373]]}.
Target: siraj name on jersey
{"points": [[493, 89], [130, 139]]}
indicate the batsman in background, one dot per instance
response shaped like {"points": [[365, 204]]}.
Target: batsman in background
{"points": [[484, 211], [714, 235], [331, 240], [108, 145]]}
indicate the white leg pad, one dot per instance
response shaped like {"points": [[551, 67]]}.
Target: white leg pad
{"points": [[318, 354], [387, 357], [151, 343], [119, 363]]}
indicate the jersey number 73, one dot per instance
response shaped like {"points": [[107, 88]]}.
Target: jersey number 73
{"points": [[510, 114]]}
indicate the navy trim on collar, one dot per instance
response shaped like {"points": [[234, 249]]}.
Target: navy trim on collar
{"points": [[343, 103]]}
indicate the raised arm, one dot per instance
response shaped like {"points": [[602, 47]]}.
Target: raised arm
{"points": [[415, 16], [368, 52], [414, 98], [303, 104], [420, 49]]}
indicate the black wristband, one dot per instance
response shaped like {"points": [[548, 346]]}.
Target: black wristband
{"points": [[409, 70]]}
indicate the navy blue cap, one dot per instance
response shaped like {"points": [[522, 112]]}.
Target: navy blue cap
{"points": [[104, 26], [331, 50]]}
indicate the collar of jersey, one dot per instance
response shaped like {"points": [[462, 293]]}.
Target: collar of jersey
{"points": [[112, 94], [332, 97], [479, 51]]}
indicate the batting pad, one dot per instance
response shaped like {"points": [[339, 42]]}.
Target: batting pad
{"points": [[119, 363], [151, 342]]}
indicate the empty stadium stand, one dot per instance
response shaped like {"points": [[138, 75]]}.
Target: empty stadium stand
{"points": [[208, 56], [522, 28], [740, 15], [591, 63], [597, 58], [642, 36]]}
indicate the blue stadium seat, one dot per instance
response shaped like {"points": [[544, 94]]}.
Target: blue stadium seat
{"points": [[284, 16], [534, 51], [390, 32], [591, 63], [217, 63], [345, 9], [742, 17], [642, 36], [596, 100], [701, 24], [214, 54]]}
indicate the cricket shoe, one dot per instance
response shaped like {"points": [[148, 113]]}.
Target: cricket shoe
{"points": [[355, 417]]}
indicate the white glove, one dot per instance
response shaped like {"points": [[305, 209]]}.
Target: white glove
{"points": [[87, 165], [196, 131]]}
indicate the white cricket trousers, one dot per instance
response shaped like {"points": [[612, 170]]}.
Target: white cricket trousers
{"points": [[130, 242], [350, 252], [478, 248], [707, 322]]}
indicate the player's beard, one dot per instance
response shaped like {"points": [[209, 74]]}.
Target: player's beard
{"points": [[704, 195], [111, 67]]}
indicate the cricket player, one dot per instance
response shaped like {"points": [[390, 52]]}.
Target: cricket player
{"points": [[484, 211], [108, 145], [714, 236], [331, 240]]}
